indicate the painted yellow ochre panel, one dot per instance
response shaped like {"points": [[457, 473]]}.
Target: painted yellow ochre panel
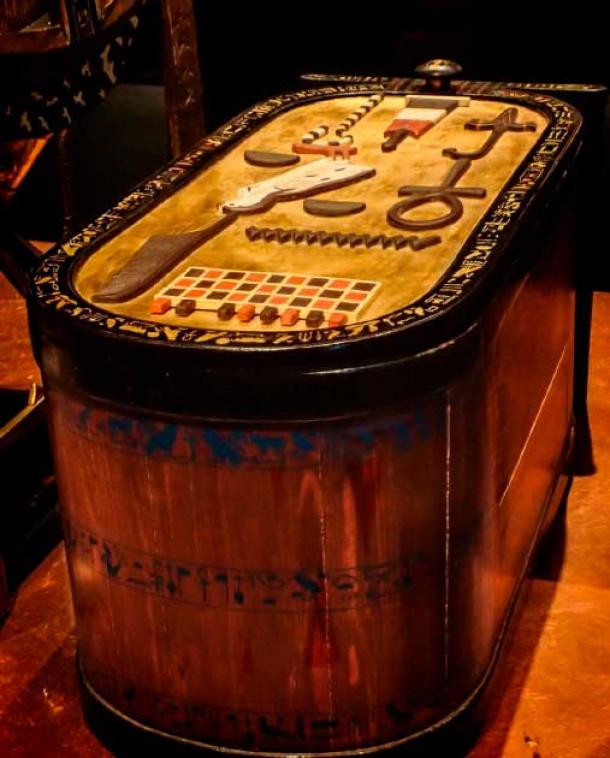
{"points": [[401, 276]]}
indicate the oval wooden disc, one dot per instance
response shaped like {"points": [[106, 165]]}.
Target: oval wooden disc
{"points": [[270, 160], [332, 207]]}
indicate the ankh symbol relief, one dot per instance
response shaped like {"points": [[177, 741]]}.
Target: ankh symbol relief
{"points": [[446, 193]]}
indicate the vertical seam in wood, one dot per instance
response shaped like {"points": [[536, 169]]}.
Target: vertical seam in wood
{"points": [[327, 624], [447, 532]]}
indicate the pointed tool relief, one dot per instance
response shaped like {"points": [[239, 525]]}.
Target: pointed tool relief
{"points": [[149, 262], [155, 258]]}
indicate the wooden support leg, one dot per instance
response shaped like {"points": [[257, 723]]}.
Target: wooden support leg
{"points": [[184, 92]]}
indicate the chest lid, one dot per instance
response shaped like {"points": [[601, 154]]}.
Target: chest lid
{"points": [[335, 217]]}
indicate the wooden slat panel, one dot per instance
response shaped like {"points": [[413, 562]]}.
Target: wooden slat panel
{"points": [[15, 14]]}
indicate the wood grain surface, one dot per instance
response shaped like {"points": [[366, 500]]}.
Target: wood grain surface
{"points": [[15, 14], [17, 366], [554, 676], [363, 568]]}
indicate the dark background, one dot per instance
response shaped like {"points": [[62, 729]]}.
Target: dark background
{"points": [[247, 54]]}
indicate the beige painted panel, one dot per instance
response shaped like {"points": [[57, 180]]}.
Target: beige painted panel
{"points": [[405, 275]]}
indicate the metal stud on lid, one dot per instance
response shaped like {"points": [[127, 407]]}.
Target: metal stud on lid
{"points": [[269, 314], [186, 307], [438, 74], [160, 305], [226, 311], [314, 318], [246, 313], [289, 317]]}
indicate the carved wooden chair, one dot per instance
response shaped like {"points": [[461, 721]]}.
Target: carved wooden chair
{"points": [[59, 59]]}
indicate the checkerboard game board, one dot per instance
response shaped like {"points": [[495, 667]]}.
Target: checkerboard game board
{"points": [[245, 295]]}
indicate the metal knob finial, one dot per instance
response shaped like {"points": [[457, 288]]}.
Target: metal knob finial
{"points": [[438, 73]]}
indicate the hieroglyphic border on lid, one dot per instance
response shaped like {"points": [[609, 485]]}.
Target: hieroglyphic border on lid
{"points": [[53, 290], [462, 86]]}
